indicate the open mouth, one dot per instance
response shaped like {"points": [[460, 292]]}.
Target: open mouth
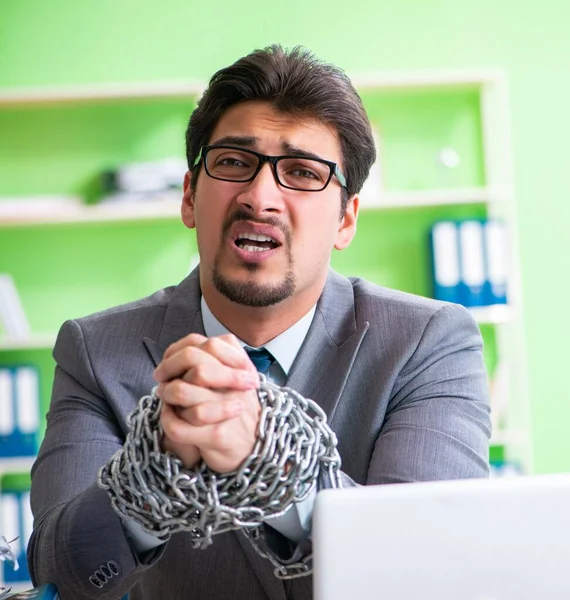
{"points": [[255, 242]]}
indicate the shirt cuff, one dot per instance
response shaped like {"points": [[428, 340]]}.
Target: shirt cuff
{"points": [[295, 524], [140, 540]]}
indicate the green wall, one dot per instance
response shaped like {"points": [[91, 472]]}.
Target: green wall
{"points": [[61, 42]]}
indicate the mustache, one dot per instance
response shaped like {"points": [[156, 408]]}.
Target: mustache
{"points": [[242, 215]]}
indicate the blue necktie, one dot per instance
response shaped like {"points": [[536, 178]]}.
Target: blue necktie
{"points": [[262, 359]]}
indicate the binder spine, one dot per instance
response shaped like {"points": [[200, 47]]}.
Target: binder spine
{"points": [[496, 262], [19, 411], [472, 263], [445, 261]]}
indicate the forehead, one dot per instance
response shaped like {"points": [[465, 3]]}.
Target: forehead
{"points": [[273, 129]]}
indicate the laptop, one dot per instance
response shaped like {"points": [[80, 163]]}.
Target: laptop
{"points": [[478, 539]]}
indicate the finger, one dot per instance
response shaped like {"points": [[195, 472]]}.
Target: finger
{"points": [[181, 394], [212, 413], [176, 429], [220, 377], [192, 339], [227, 350], [180, 362]]}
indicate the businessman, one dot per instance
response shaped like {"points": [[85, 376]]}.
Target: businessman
{"points": [[278, 148]]}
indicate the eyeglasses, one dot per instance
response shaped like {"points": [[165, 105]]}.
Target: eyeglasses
{"points": [[231, 163]]}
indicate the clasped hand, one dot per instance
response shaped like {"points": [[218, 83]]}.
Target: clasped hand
{"points": [[210, 409]]}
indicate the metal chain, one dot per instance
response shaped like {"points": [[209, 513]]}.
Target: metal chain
{"points": [[294, 445]]}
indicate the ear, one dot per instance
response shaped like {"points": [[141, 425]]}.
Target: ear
{"points": [[347, 227], [187, 210]]}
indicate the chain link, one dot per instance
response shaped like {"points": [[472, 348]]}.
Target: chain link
{"points": [[294, 445]]}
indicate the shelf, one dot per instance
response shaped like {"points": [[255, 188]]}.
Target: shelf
{"points": [[140, 211], [17, 464], [426, 79], [182, 89], [169, 207], [37, 341], [493, 315], [98, 92], [420, 198], [505, 437]]}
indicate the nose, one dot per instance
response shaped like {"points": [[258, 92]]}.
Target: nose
{"points": [[262, 195]]}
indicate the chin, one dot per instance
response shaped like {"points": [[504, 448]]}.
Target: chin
{"points": [[249, 292]]}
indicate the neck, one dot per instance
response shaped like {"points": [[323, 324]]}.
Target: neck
{"points": [[258, 325]]}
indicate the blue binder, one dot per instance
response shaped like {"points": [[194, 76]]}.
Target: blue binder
{"points": [[19, 414], [16, 525], [445, 261]]}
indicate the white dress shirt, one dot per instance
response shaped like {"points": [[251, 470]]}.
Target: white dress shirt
{"points": [[295, 523]]}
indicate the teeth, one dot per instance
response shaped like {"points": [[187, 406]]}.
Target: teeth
{"points": [[255, 249], [255, 237]]}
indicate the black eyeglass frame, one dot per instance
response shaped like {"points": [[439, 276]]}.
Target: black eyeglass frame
{"points": [[273, 160]]}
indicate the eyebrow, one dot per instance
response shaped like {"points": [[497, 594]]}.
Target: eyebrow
{"points": [[296, 151], [249, 142], [236, 140]]}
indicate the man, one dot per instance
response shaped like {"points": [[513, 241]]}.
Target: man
{"points": [[278, 149]]}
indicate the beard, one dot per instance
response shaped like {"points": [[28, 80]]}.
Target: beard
{"points": [[254, 294]]}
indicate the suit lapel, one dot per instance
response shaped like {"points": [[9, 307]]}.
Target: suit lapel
{"points": [[321, 368], [183, 316]]}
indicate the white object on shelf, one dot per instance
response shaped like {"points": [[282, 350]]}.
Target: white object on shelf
{"points": [[31, 342], [12, 315]]}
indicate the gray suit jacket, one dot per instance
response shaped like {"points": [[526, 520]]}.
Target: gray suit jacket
{"points": [[401, 378]]}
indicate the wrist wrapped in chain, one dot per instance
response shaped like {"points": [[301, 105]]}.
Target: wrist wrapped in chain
{"points": [[152, 487]]}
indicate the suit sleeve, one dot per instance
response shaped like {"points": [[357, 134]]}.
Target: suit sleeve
{"points": [[437, 425], [78, 541]]}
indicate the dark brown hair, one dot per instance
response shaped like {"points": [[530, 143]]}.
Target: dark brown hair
{"points": [[294, 82]]}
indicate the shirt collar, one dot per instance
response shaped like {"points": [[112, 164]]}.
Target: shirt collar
{"points": [[284, 347]]}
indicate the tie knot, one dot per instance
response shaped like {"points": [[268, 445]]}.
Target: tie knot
{"points": [[262, 359]]}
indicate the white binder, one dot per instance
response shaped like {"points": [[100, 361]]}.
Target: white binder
{"points": [[472, 261], [445, 257]]}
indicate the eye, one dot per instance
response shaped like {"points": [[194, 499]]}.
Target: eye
{"points": [[304, 173], [230, 161]]}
